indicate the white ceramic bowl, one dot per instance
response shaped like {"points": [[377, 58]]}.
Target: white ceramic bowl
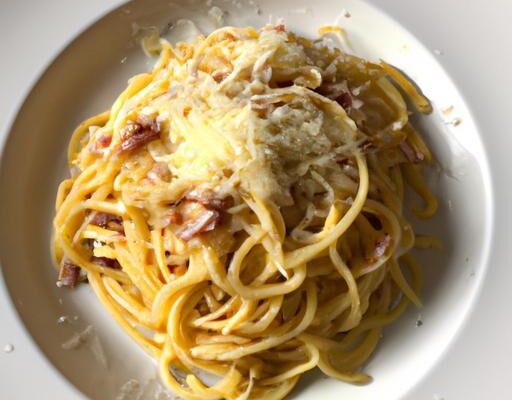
{"points": [[85, 78]]}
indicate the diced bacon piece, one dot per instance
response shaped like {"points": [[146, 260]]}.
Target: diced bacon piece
{"points": [[106, 262], [137, 134], [69, 274], [381, 245], [284, 84], [205, 222], [100, 219], [373, 220], [108, 221], [172, 217], [209, 199], [344, 100]]}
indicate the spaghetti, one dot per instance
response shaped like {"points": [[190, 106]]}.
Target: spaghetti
{"points": [[238, 210]]}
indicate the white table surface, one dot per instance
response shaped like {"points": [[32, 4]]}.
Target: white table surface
{"points": [[475, 40]]}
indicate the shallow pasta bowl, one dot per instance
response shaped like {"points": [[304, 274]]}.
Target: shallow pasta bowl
{"points": [[84, 79]]}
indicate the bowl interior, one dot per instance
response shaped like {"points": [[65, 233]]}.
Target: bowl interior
{"points": [[86, 77]]}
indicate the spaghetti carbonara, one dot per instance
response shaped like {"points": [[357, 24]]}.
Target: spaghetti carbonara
{"points": [[238, 210]]}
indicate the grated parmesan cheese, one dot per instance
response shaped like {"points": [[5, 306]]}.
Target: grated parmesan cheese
{"points": [[151, 390], [78, 339], [8, 348], [397, 125], [87, 336], [248, 104], [216, 15], [357, 104], [448, 110], [129, 391]]}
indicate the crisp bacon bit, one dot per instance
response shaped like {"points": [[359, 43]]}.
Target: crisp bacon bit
{"points": [[69, 274], [381, 244], [172, 217], [137, 134], [205, 222], [108, 221], [412, 154], [207, 198], [344, 100], [209, 216], [100, 219], [106, 262]]}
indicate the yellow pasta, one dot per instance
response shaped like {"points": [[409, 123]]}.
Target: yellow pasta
{"points": [[239, 210]]}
